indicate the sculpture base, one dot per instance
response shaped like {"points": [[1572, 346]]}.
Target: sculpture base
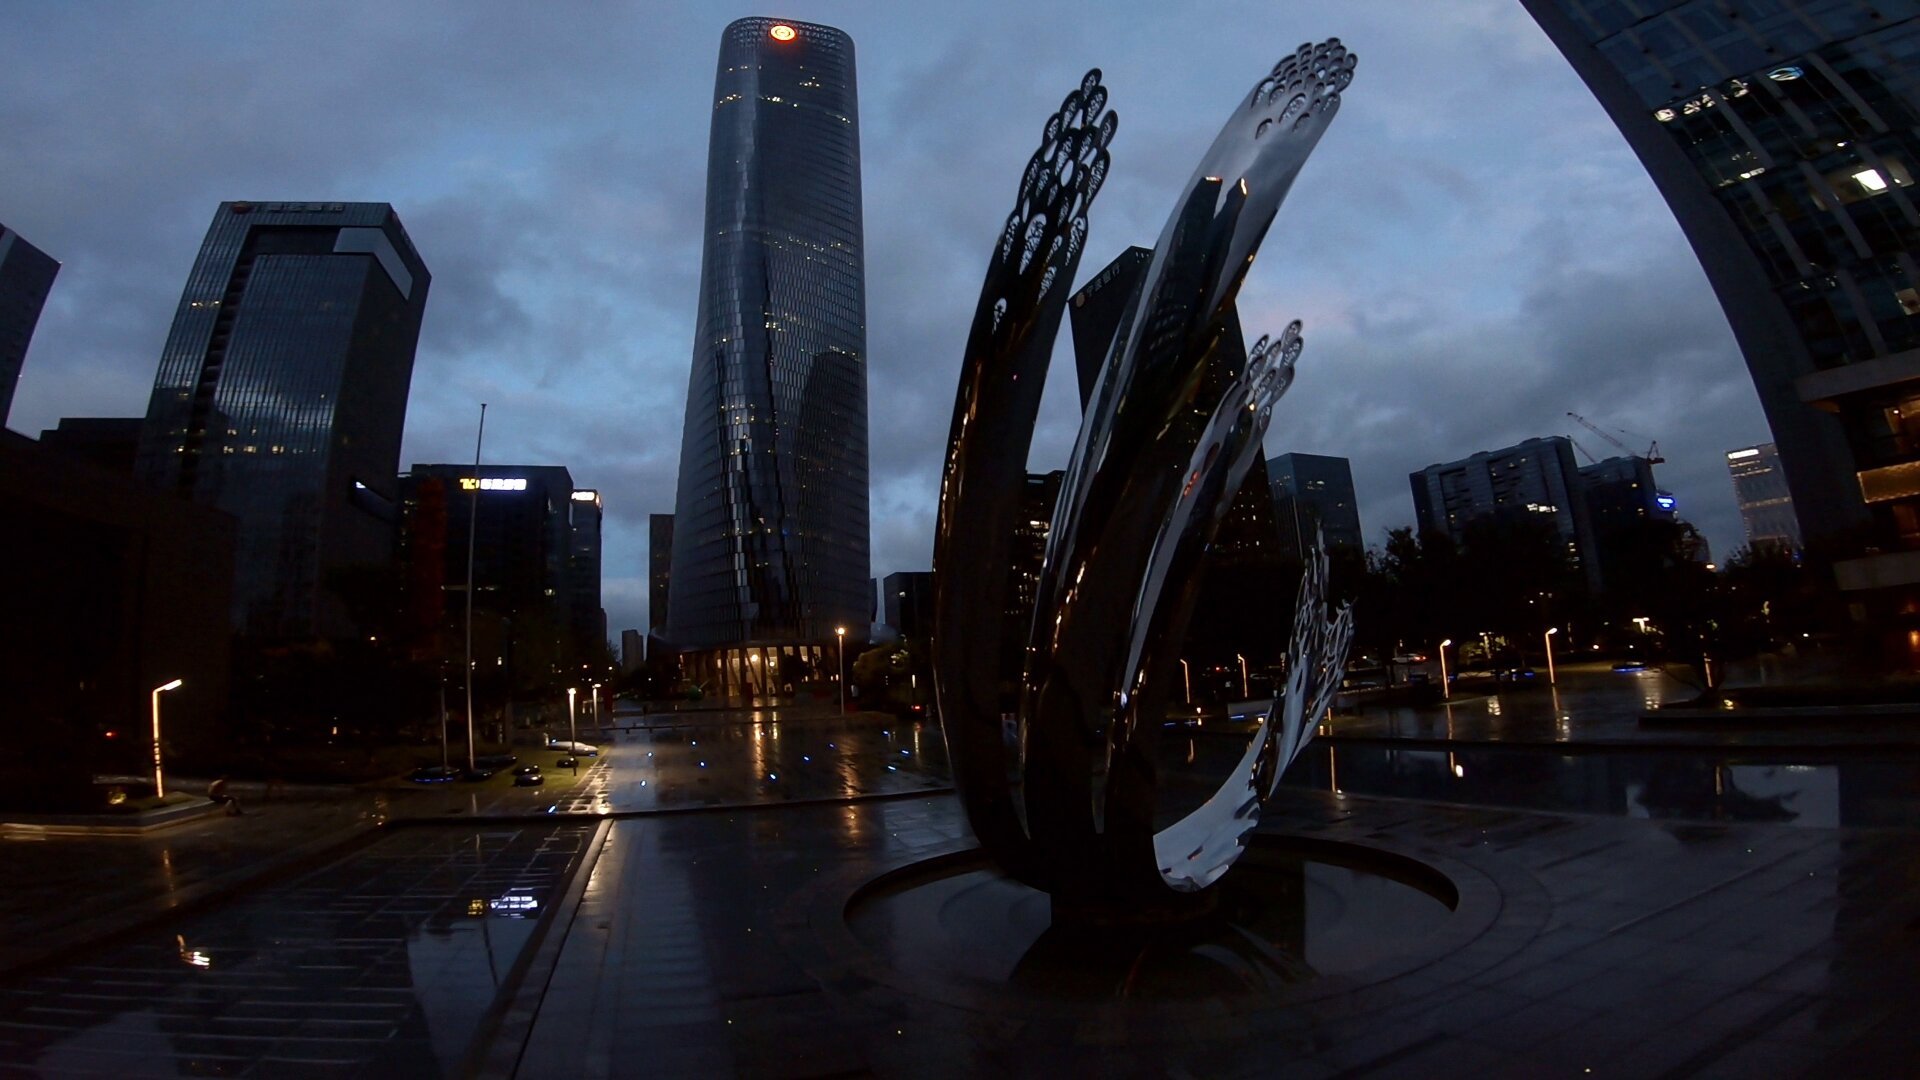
{"points": [[1293, 911]]}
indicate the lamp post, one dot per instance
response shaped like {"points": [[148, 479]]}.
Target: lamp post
{"points": [[1186, 676], [840, 635], [573, 734], [598, 726], [159, 788], [1445, 690], [1244, 693], [1548, 638]]}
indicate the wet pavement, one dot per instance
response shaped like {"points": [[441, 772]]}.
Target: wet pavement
{"points": [[1668, 910], [1592, 705]]}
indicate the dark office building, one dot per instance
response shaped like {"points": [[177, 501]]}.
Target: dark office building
{"points": [[907, 603], [1766, 506], [770, 543], [1625, 510], [1532, 480], [1311, 491], [281, 395], [1784, 135], [633, 651], [111, 590], [1026, 555], [105, 442], [659, 571], [584, 613], [526, 627], [26, 276]]}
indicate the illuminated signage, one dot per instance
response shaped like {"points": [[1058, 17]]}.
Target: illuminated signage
{"points": [[1664, 501], [1736, 455], [586, 496], [493, 483], [782, 32]]}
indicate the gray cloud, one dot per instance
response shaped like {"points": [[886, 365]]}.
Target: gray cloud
{"points": [[1473, 248]]}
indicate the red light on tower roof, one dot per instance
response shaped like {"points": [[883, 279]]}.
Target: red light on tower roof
{"points": [[782, 32]]}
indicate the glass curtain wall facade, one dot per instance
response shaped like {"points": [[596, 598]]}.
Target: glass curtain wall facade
{"points": [[26, 276], [281, 395], [1785, 135], [770, 534]]}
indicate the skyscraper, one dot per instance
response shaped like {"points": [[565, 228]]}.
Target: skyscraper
{"points": [[1766, 507], [587, 618], [770, 542], [1312, 491], [281, 395], [1784, 135], [659, 571], [26, 276]]}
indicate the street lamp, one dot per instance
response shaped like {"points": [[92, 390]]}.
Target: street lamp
{"points": [[1548, 638], [1445, 690], [573, 734], [1244, 694], [159, 789], [840, 635], [1186, 676], [598, 726]]}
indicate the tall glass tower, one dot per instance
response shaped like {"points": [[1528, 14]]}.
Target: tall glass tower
{"points": [[1785, 135], [281, 395], [770, 536], [26, 275]]}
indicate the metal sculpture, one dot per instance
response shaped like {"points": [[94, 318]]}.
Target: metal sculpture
{"points": [[1058, 776]]}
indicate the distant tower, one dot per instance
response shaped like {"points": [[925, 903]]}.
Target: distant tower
{"points": [[1312, 491], [281, 395], [1785, 137], [26, 276], [1766, 508], [770, 542]]}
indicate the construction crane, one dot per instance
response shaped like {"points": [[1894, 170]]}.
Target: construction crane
{"points": [[1653, 447]]}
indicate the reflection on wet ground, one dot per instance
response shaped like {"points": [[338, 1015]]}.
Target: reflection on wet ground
{"points": [[1281, 919], [659, 762], [1673, 786], [389, 957], [1593, 704]]}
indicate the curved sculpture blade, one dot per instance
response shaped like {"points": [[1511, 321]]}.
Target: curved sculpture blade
{"points": [[1099, 669], [1005, 368]]}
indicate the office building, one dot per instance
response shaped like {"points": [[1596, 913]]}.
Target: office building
{"points": [[111, 590], [105, 442], [1766, 506], [633, 651], [529, 586], [770, 538], [1534, 480], [281, 395], [659, 571], [26, 276], [1314, 492], [586, 618], [907, 603], [1784, 135]]}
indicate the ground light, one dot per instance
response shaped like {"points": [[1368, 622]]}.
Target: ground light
{"points": [[1445, 690], [1548, 638], [573, 732], [159, 786], [840, 635]]}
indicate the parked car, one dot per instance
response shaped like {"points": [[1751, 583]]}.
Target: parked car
{"points": [[474, 776], [433, 774], [577, 748], [494, 761], [528, 776]]}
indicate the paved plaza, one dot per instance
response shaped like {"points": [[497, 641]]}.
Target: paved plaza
{"points": [[692, 908]]}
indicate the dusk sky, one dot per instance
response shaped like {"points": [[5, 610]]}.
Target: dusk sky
{"points": [[1473, 248]]}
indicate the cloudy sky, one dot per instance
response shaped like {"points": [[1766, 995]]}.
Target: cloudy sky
{"points": [[1473, 248]]}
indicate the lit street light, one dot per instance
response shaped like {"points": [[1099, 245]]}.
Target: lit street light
{"points": [[1445, 690], [573, 734], [598, 726], [840, 634], [1548, 638], [1244, 694], [1186, 676], [159, 788]]}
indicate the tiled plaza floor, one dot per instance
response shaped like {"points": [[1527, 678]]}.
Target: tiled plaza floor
{"points": [[704, 946]]}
